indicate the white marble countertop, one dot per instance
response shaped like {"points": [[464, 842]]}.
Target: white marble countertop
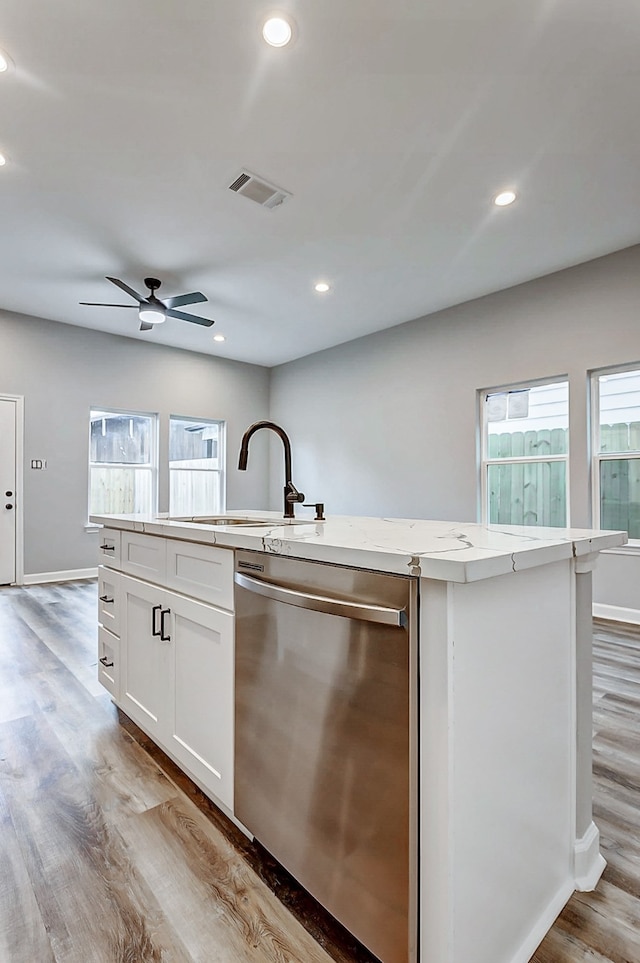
{"points": [[452, 551]]}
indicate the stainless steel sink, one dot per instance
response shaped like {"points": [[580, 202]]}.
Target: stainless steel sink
{"points": [[231, 520]]}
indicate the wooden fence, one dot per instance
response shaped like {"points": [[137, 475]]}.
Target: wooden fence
{"points": [[535, 493]]}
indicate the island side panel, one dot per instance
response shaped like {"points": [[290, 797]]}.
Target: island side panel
{"points": [[435, 910], [498, 763], [589, 862]]}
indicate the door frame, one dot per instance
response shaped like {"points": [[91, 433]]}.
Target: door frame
{"points": [[19, 547]]}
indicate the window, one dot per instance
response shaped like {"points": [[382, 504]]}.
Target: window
{"points": [[122, 462], [616, 448], [196, 463], [525, 446]]}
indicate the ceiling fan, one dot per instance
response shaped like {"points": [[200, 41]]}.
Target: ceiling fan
{"points": [[151, 310]]}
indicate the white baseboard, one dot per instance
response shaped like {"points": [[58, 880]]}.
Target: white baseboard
{"points": [[70, 575], [616, 613], [588, 862], [544, 923]]}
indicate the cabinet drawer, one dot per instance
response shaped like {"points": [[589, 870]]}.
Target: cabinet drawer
{"points": [[109, 599], [201, 571], [109, 547], [108, 661], [144, 556]]}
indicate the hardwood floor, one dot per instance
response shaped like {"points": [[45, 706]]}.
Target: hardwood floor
{"points": [[604, 926], [108, 853]]}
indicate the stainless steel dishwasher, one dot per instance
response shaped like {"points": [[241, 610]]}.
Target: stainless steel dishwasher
{"points": [[326, 737]]}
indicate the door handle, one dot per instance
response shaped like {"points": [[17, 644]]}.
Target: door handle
{"points": [[154, 630], [105, 598], [107, 548], [105, 662], [163, 637]]}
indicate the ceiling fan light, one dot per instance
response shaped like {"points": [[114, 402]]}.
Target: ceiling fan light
{"points": [[152, 315]]}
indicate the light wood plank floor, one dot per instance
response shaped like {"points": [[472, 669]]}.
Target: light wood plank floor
{"points": [[109, 854]]}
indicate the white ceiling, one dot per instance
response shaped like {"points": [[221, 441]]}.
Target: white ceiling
{"points": [[392, 123]]}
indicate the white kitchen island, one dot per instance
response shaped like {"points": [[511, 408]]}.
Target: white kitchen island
{"points": [[504, 701]]}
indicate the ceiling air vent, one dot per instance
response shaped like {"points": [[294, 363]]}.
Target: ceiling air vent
{"points": [[258, 190]]}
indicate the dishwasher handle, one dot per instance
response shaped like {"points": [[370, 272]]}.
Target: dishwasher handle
{"points": [[363, 611]]}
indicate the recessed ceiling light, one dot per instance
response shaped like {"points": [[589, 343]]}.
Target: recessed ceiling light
{"points": [[504, 198], [322, 287], [277, 31], [5, 62], [3, 160], [219, 337]]}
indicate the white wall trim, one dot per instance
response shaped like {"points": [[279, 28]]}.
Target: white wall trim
{"points": [[69, 575], [588, 862], [616, 613], [627, 549], [543, 924]]}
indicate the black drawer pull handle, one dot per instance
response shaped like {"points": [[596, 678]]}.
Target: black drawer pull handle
{"points": [[106, 662], [154, 630], [105, 598], [107, 548], [163, 637]]}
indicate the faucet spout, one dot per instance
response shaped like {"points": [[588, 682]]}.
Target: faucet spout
{"points": [[291, 493]]}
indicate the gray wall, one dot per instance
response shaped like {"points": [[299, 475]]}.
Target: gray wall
{"points": [[386, 425], [62, 371]]}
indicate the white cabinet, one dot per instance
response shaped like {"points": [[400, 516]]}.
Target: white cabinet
{"points": [[109, 660], [143, 656], [200, 700], [109, 628], [174, 659], [201, 571], [109, 547], [143, 556], [109, 599]]}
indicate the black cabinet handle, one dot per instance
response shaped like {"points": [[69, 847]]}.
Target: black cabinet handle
{"points": [[163, 637], [154, 630], [107, 548], [9, 506], [105, 662], [105, 598]]}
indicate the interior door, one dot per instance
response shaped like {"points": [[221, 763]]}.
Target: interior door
{"points": [[7, 491]]}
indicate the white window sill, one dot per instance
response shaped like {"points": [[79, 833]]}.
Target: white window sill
{"points": [[623, 550]]}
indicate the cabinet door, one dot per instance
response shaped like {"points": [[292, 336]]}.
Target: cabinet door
{"points": [[109, 599], [202, 572], [144, 556], [109, 661], [143, 656], [109, 547], [200, 709]]}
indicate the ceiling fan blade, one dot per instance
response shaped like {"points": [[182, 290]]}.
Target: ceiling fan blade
{"points": [[188, 317], [194, 298], [101, 304], [145, 326], [125, 287]]}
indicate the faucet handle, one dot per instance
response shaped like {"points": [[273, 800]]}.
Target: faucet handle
{"points": [[319, 507], [293, 495]]}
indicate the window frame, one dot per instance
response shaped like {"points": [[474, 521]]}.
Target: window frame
{"points": [[153, 453], [632, 546], [485, 462], [221, 472]]}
